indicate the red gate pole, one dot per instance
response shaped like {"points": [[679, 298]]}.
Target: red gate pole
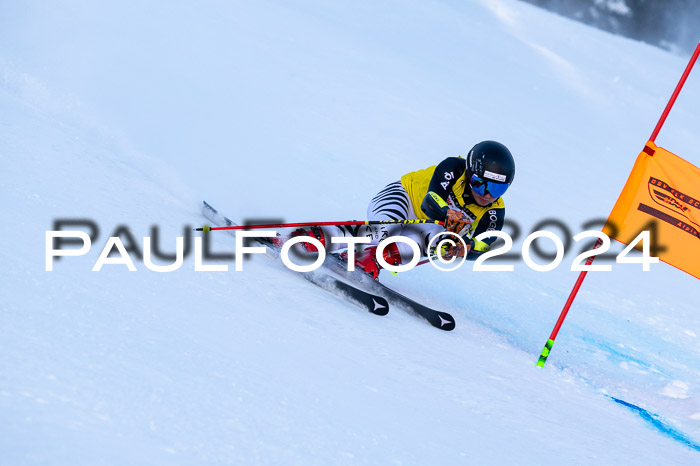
{"points": [[677, 91], [550, 342]]}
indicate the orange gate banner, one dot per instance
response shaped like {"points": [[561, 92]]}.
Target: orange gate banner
{"points": [[662, 195]]}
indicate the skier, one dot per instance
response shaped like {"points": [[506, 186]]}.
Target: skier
{"points": [[463, 193]]}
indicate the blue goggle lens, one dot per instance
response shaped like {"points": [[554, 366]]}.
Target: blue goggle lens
{"points": [[483, 187]]}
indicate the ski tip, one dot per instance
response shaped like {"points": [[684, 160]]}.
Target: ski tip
{"points": [[447, 322], [380, 306]]}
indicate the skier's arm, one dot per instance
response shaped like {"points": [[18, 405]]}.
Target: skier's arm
{"points": [[491, 220], [444, 178]]}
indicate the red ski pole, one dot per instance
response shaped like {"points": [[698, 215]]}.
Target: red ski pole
{"points": [[309, 224]]}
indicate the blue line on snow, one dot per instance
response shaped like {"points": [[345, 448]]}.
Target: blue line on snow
{"points": [[657, 423]]}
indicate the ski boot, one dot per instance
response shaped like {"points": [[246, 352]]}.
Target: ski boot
{"points": [[367, 259]]}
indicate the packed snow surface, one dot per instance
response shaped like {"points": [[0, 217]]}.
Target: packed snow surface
{"points": [[128, 114]]}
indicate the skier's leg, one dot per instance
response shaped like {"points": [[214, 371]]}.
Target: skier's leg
{"points": [[391, 203], [394, 203]]}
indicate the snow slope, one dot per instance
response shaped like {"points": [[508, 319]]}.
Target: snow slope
{"points": [[129, 114]]}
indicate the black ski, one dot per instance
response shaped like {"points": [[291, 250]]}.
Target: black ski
{"points": [[361, 282], [438, 319], [373, 303]]}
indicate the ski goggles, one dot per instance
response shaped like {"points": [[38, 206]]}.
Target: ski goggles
{"points": [[483, 187]]}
